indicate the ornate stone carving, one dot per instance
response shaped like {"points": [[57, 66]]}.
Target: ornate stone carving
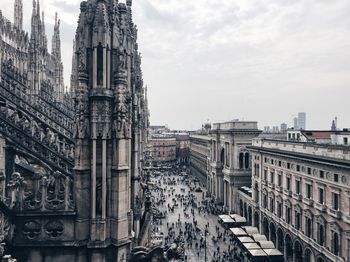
{"points": [[55, 191], [16, 186], [82, 128], [81, 54], [122, 125], [4, 227], [31, 229], [54, 229]]}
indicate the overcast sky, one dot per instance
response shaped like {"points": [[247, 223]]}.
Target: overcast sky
{"points": [[221, 60]]}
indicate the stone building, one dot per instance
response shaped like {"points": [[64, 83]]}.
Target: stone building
{"points": [[29, 55], [300, 198], [109, 99], [200, 145], [163, 148], [73, 185], [230, 165], [182, 148]]}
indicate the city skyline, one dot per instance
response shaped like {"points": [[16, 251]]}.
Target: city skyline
{"points": [[240, 59]]}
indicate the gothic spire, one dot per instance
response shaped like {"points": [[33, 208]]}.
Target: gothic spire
{"points": [[38, 8], [56, 40], [43, 31], [18, 14]]}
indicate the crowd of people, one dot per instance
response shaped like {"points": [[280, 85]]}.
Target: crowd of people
{"points": [[187, 214]]}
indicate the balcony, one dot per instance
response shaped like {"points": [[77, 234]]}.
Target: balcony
{"points": [[321, 207], [334, 213], [271, 185], [297, 196], [308, 201], [287, 192], [279, 189]]}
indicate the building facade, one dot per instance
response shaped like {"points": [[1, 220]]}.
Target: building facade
{"points": [[163, 148], [302, 120], [29, 53], [182, 148], [300, 198], [230, 165], [200, 146]]}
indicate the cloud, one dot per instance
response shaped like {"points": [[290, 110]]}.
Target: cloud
{"points": [[261, 60]]}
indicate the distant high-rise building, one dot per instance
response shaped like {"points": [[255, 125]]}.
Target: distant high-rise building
{"points": [[266, 129], [302, 120], [295, 123], [275, 129], [284, 127]]}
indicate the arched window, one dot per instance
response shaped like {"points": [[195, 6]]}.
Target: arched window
{"points": [[335, 244], [264, 200], [256, 193], [100, 65], [297, 219], [279, 209], [288, 209], [246, 161], [320, 233], [241, 160], [308, 226], [222, 156], [272, 204]]}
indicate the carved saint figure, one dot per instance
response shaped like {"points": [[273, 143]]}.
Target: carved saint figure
{"points": [[81, 58], [82, 128], [121, 126]]}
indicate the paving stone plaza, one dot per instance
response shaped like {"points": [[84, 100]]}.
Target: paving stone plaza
{"points": [[176, 196]]}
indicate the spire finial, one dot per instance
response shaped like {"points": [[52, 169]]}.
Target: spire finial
{"points": [[38, 7], [18, 14]]}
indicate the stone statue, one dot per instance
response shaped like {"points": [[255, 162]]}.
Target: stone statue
{"points": [[81, 59], [82, 128], [121, 126]]}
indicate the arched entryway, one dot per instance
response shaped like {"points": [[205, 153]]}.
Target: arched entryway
{"points": [[266, 227], [308, 255], [240, 207], [320, 259], [273, 233], [256, 220], [280, 240], [289, 248], [250, 215], [298, 251]]}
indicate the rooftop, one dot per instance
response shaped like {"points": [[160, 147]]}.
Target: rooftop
{"points": [[236, 125]]}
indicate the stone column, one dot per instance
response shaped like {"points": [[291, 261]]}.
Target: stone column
{"points": [[93, 180], [66, 193], [230, 200], [94, 70], [104, 178], [104, 65], [225, 192], [44, 192], [285, 252], [108, 71]]}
